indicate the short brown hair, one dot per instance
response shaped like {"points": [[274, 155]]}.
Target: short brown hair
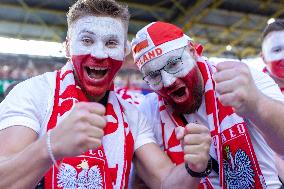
{"points": [[108, 8], [278, 25]]}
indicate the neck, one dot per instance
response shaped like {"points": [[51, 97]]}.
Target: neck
{"points": [[101, 99], [104, 100]]}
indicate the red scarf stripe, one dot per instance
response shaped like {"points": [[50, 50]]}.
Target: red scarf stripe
{"points": [[216, 113], [97, 157]]}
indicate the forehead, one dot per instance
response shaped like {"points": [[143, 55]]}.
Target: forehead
{"points": [[161, 61], [98, 25], [273, 38]]}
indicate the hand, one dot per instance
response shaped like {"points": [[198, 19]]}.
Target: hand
{"points": [[80, 131], [236, 87], [196, 141]]}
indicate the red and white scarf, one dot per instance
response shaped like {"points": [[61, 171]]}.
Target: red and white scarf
{"points": [[232, 144], [106, 167], [267, 72]]}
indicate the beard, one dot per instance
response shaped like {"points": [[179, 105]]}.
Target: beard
{"points": [[193, 106], [188, 88]]}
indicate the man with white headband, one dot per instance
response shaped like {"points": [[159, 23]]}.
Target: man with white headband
{"points": [[229, 99], [273, 56], [71, 128]]}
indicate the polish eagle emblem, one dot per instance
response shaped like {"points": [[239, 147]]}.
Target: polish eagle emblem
{"points": [[238, 170], [67, 177]]}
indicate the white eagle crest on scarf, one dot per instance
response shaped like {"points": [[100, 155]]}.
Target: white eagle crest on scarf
{"points": [[238, 170], [87, 178]]}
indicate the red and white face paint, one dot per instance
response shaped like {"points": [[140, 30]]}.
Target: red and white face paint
{"points": [[182, 90], [96, 48], [273, 53]]}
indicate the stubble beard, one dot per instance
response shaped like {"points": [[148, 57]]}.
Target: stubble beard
{"points": [[194, 105]]}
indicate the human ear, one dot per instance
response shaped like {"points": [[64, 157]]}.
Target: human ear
{"points": [[261, 55], [192, 51]]}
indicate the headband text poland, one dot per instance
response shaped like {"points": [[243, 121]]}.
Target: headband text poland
{"points": [[156, 39]]}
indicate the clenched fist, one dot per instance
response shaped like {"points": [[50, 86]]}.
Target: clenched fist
{"points": [[196, 141], [236, 87], [80, 131]]}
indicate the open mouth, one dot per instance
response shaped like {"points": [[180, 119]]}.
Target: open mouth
{"points": [[179, 92], [96, 73], [281, 66]]}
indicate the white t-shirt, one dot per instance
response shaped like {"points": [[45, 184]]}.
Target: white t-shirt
{"points": [[264, 154], [30, 105]]}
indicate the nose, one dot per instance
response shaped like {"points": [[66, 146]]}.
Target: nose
{"points": [[167, 79], [99, 51]]}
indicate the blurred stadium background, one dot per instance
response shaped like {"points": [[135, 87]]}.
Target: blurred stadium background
{"points": [[32, 32]]}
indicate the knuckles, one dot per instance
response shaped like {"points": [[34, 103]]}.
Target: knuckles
{"points": [[100, 133], [81, 140]]}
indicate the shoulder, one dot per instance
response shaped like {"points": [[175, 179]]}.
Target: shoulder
{"points": [[149, 104], [35, 84], [258, 75], [266, 84], [34, 87], [27, 103]]}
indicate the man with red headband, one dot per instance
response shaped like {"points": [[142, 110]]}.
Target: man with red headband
{"points": [[273, 56], [70, 127], [192, 93]]}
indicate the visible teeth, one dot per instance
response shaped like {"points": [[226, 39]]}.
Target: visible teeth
{"points": [[96, 72], [98, 69]]}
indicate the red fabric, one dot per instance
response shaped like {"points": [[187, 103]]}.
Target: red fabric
{"points": [[161, 33], [232, 141], [93, 158]]}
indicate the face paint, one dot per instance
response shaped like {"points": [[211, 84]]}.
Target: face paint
{"points": [[159, 64], [183, 90], [277, 68], [273, 53], [97, 51], [185, 94], [93, 75]]}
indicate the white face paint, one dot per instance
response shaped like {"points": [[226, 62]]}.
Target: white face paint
{"points": [[188, 63], [102, 37], [273, 46]]}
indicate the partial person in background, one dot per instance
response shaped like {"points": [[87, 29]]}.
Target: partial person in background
{"points": [[231, 100], [273, 57], [70, 127], [273, 51]]}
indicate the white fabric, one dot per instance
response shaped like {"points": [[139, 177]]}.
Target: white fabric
{"points": [[30, 104], [263, 152], [148, 55]]}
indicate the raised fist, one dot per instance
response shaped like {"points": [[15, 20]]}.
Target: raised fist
{"points": [[80, 131], [196, 142], [236, 87]]}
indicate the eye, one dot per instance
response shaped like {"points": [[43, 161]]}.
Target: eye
{"points": [[87, 41], [112, 43], [173, 63], [276, 49], [154, 75]]}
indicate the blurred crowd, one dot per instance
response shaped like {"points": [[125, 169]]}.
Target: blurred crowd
{"points": [[24, 71]]}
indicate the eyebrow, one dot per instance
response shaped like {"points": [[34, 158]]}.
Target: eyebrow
{"points": [[86, 31], [173, 58], [277, 47], [112, 36], [109, 36]]}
